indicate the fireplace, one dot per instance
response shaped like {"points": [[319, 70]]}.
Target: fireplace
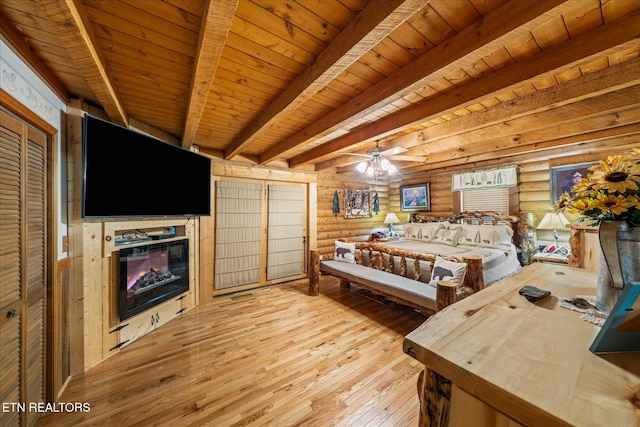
{"points": [[151, 274]]}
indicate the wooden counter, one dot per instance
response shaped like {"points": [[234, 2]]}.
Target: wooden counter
{"points": [[514, 362]]}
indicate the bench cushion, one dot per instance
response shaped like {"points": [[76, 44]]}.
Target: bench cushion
{"points": [[407, 289]]}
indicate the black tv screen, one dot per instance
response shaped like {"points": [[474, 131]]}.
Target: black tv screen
{"points": [[128, 174]]}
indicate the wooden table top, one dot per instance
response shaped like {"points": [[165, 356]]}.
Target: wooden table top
{"points": [[531, 361]]}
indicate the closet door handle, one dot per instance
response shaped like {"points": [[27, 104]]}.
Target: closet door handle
{"points": [[11, 314]]}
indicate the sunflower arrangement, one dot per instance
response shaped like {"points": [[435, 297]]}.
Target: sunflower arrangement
{"points": [[611, 191]]}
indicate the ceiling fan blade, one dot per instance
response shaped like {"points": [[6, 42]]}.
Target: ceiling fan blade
{"points": [[355, 154], [393, 151], [409, 158]]}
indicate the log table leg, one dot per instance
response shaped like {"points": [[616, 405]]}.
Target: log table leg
{"points": [[314, 273], [434, 391]]}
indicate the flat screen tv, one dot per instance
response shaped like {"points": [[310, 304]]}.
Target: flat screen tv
{"points": [[128, 174]]}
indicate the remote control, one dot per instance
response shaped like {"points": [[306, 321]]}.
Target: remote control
{"points": [[532, 293]]}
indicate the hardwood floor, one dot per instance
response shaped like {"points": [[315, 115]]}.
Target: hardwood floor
{"points": [[268, 357]]}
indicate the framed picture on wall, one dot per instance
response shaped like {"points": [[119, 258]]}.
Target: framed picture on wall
{"points": [[563, 178], [357, 203], [415, 197]]}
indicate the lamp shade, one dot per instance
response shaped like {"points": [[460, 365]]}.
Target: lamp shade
{"points": [[553, 221], [391, 218]]}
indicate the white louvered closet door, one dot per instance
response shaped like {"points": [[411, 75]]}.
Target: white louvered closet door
{"points": [[286, 231]]}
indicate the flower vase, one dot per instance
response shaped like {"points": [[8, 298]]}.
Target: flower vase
{"points": [[619, 261]]}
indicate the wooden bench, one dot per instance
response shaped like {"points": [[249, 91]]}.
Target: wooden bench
{"points": [[378, 273]]}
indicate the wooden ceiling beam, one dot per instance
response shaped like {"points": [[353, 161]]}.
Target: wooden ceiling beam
{"points": [[75, 32], [216, 22], [504, 118], [623, 138], [528, 112], [608, 80], [512, 19], [578, 50], [372, 25], [615, 124], [619, 112], [603, 109]]}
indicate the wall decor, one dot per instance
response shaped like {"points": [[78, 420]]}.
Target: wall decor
{"points": [[336, 203], [415, 197], [376, 203], [563, 178], [357, 203]]}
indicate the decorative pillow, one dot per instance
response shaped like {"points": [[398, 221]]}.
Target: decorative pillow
{"points": [[485, 235], [447, 270], [448, 236], [422, 232], [345, 252]]}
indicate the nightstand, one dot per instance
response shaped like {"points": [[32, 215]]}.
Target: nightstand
{"points": [[556, 258]]}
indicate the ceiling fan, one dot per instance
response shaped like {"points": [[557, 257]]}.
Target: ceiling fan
{"points": [[378, 163]]}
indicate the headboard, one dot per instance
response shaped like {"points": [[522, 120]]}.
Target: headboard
{"points": [[475, 217]]}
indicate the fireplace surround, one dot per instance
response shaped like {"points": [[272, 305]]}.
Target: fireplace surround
{"points": [[151, 274]]}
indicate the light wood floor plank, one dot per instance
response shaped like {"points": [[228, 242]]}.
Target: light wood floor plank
{"points": [[267, 357]]}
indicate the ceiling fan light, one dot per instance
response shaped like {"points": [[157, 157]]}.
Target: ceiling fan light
{"points": [[385, 164], [362, 166], [392, 169], [370, 171]]}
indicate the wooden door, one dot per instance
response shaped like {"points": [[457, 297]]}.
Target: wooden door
{"points": [[286, 231], [23, 219]]}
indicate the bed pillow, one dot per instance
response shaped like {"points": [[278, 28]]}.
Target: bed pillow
{"points": [[448, 236], [422, 232], [447, 270], [345, 252], [485, 235]]}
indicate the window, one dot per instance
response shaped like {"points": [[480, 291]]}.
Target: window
{"points": [[494, 199]]}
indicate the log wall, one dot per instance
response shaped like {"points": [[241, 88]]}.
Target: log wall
{"points": [[534, 187], [533, 194], [332, 227]]}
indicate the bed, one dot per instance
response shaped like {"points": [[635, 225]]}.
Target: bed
{"points": [[484, 234]]}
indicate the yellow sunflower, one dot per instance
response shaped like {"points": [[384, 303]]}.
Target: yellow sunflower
{"points": [[586, 187], [611, 191], [616, 175], [580, 206], [615, 204]]}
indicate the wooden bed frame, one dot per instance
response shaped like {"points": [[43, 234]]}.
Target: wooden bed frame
{"points": [[480, 217], [447, 292]]}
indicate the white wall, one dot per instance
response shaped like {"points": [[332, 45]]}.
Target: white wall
{"points": [[26, 87]]}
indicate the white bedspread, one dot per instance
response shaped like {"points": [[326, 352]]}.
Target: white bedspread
{"points": [[497, 263]]}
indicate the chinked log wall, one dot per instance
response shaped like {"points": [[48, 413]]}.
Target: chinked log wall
{"points": [[332, 227], [533, 193]]}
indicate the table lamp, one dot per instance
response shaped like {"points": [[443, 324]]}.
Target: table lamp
{"points": [[391, 219], [554, 221]]}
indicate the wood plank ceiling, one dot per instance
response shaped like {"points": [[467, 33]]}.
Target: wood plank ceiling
{"points": [[298, 83]]}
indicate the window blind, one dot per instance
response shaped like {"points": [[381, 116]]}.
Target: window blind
{"points": [[494, 199], [238, 237], [285, 230]]}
